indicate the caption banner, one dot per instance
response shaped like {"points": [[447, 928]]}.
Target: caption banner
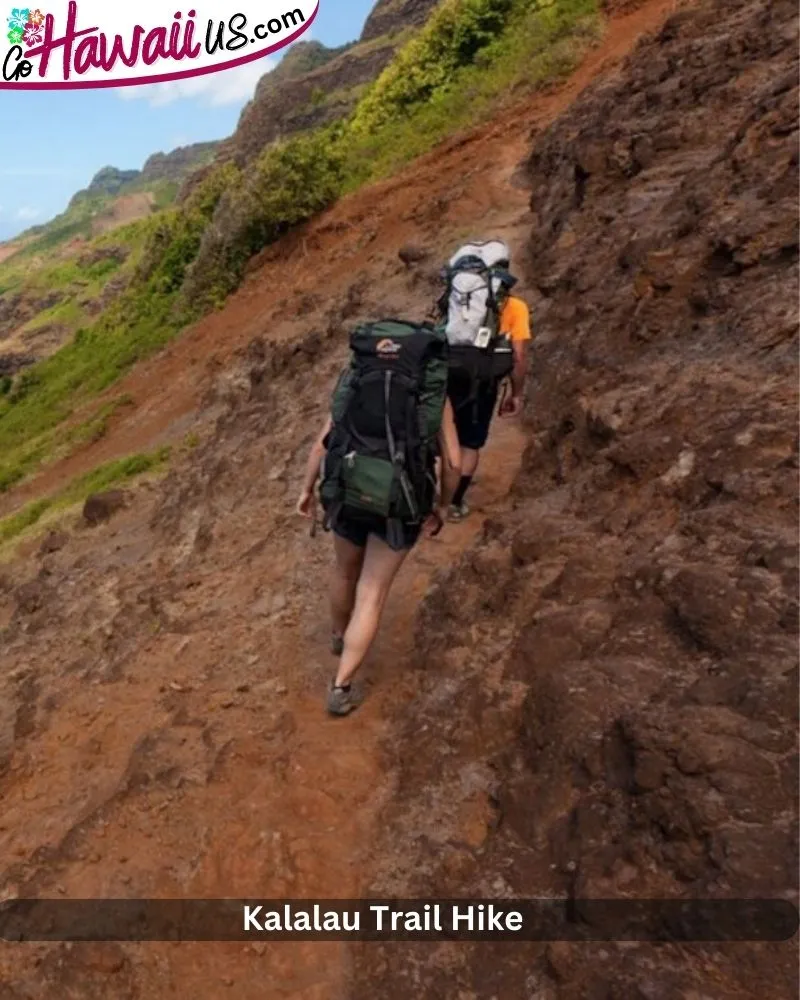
{"points": [[397, 920]]}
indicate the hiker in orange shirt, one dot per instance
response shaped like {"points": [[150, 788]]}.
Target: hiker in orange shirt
{"points": [[488, 331]]}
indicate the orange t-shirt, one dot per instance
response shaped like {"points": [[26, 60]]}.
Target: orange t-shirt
{"points": [[515, 320]]}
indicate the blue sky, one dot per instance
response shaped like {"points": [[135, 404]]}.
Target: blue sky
{"points": [[62, 138]]}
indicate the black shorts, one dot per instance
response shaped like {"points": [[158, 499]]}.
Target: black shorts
{"points": [[356, 529], [472, 419]]}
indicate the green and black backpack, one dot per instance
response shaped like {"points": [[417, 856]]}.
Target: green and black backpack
{"points": [[387, 412]]}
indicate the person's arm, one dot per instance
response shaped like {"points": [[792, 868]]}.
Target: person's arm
{"points": [[306, 502], [450, 451], [520, 370], [520, 334]]}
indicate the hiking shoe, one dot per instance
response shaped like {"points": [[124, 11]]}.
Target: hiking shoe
{"points": [[342, 701], [457, 512], [337, 644]]}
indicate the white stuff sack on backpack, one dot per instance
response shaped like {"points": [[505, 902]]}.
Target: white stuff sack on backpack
{"points": [[469, 317]]}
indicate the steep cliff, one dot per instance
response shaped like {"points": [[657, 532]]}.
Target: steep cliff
{"points": [[608, 706]]}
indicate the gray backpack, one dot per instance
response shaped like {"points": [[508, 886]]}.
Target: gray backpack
{"points": [[477, 285], [477, 282]]}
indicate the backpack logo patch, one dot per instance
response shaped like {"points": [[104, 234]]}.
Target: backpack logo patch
{"points": [[388, 348]]}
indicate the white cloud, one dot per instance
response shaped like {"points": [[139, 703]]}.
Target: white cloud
{"points": [[27, 212], [228, 86]]}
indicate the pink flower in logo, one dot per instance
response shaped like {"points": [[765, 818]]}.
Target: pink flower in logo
{"points": [[36, 17], [33, 34]]}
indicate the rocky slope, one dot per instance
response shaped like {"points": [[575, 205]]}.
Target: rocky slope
{"points": [[616, 715], [578, 709], [311, 86], [175, 165]]}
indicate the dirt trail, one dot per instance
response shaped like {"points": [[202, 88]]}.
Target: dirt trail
{"points": [[163, 734]]}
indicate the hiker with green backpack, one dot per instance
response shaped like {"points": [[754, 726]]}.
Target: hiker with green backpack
{"points": [[376, 460], [488, 331]]}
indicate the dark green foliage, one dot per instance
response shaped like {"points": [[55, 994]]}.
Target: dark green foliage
{"points": [[290, 183]]}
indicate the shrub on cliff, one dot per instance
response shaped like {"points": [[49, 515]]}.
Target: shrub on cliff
{"points": [[291, 182], [176, 240], [453, 36]]}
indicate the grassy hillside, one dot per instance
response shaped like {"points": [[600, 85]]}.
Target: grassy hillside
{"points": [[159, 178], [467, 58], [57, 277]]}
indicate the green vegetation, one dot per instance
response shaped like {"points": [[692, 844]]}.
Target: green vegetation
{"points": [[469, 57], [77, 223], [77, 278], [290, 183], [143, 318], [453, 36], [74, 223], [102, 478], [79, 219], [96, 427], [414, 105]]}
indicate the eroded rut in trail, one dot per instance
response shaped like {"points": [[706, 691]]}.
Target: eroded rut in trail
{"points": [[162, 731]]}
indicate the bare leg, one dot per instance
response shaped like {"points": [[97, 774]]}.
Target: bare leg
{"points": [[344, 580], [377, 575]]}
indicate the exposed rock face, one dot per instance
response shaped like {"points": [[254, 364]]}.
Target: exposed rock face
{"points": [[616, 714], [293, 98], [391, 16], [117, 254], [175, 165], [17, 309], [10, 364]]}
